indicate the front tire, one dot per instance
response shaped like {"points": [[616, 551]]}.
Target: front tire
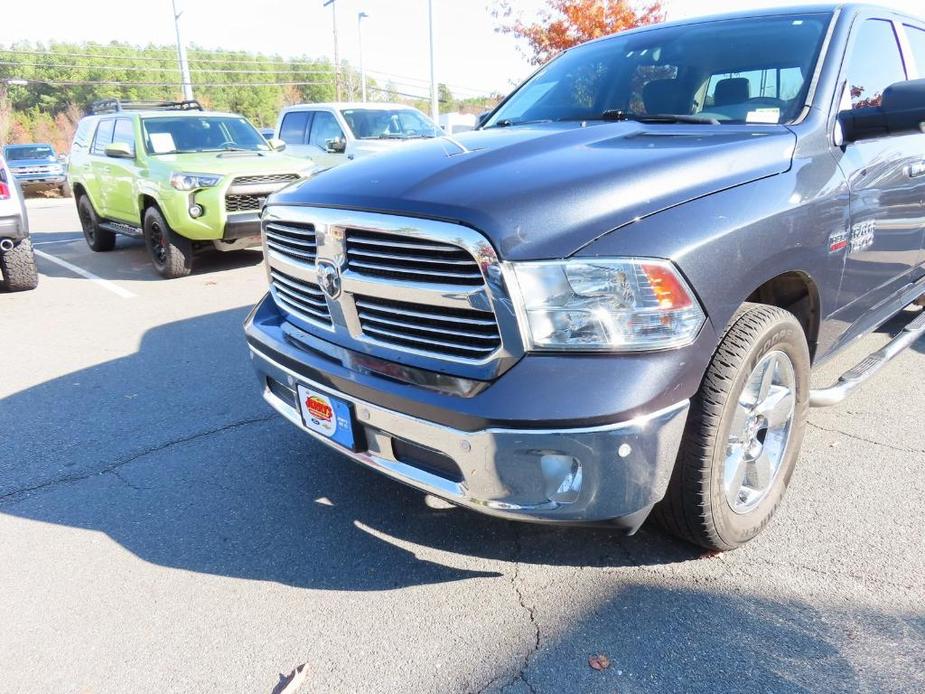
{"points": [[18, 267], [743, 434], [171, 254], [99, 240]]}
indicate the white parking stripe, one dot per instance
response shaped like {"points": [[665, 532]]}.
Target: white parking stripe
{"points": [[106, 284], [45, 243]]}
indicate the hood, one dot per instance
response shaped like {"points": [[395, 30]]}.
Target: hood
{"points": [[385, 145], [233, 163], [545, 191]]}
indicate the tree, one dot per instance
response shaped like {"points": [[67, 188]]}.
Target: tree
{"points": [[566, 23]]}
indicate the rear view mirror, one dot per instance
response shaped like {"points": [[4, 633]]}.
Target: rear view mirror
{"points": [[120, 150], [276, 144], [901, 111], [336, 146]]}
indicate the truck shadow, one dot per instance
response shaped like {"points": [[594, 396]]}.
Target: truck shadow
{"points": [[171, 453]]}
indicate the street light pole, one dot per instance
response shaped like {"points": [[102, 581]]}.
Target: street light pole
{"points": [[186, 82], [336, 54], [434, 97], [360, 17]]}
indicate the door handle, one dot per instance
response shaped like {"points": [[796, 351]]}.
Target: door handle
{"points": [[916, 170]]}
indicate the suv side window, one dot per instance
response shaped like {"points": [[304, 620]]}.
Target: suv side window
{"points": [[294, 127], [103, 136], [124, 132], [916, 38], [324, 128], [875, 63], [83, 135]]}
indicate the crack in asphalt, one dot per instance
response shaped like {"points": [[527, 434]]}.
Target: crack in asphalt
{"points": [[898, 449], [113, 468], [531, 614]]}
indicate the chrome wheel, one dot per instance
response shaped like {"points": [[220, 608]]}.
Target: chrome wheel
{"points": [[760, 432]]}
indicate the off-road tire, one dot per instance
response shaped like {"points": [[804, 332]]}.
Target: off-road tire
{"points": [[18, 267], [99, 240], [171, 254], [695, 507]]}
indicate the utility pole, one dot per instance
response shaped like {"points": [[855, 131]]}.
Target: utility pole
{"points": [[434, 95], [336, 55], [360, 17], [186, 82]]}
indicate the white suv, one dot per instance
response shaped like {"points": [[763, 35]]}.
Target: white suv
{"points": [[17, 261], [331, 134]]}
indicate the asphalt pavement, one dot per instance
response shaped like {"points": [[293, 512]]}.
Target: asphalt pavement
{"points": [[161, 530]]}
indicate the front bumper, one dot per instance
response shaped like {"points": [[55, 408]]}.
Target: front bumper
{"points": [[566, 473], [242, 230], [28, 181]]}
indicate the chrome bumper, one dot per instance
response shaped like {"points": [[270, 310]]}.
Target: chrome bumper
{"points": [[607, 473]]}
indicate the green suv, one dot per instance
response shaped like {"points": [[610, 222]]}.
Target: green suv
{"points": [[176, 176]]}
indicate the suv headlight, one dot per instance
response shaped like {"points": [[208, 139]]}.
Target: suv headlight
{"points": [[193, 181], [616, 304]]}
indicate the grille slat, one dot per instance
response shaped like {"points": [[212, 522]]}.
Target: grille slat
{"points": [[292, 240], [466, 333], [300, 297], [244, 202], [264, 178], [392, 256]]}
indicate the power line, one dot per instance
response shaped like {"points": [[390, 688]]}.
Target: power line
{"points": [[118, 83], [172, 68]]}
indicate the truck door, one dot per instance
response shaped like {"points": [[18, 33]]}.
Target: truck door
{"points": [[120, 198], [887, 219], [293, 130]]}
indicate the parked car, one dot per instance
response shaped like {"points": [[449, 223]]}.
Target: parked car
{"points": [[455, 123], [609, 299], [17, 260], [180, 178], [331, 134], [37, 167]]}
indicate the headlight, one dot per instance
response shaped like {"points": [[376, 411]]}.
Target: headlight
{"points": [[617, 304], [193, 181]]}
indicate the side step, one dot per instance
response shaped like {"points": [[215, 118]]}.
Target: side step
{"points": [[852, 379], [121, 228]]}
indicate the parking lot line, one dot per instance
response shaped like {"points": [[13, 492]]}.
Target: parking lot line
{"points": [[106, 284], [48, 243]]}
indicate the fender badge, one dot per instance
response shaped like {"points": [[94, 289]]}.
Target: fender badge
{"points": [[838, 241]]}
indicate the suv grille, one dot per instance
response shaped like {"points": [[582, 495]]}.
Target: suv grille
{"points": [[236, 202], [295, 240], [433, 329], [409, 258], [266, 178], [302, 298]]}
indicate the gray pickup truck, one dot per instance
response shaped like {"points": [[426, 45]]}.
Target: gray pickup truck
{"points": [[608, 300]]}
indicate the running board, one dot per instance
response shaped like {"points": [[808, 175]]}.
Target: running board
{"points": [[121, 228], [851, 380]]}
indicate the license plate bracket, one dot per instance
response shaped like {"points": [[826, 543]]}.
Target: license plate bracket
{"points": [[328, 416]]}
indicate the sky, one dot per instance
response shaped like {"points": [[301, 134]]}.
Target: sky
{"points": [[472, 58]]}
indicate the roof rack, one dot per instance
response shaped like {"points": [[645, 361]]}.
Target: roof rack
{"points": [[117, 105]]}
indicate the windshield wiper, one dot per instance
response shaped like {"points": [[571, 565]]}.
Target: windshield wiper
{"points": [[619, 115], [507, 122]]}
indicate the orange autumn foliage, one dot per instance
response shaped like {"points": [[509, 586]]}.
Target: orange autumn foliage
{"points": [[566, 23]]}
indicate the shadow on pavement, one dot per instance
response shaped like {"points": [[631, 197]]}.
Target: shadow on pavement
{"points": [[171, 452]]}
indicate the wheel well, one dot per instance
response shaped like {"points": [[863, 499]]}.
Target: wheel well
{"points": [[78, 191], [795, 292], [144, 202]]}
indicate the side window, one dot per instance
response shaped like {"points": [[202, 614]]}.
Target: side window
{"points": [[124, 132], [874, 64], [83, 135], [103, 136], [324, 128], [293, 129], [916, 38]]}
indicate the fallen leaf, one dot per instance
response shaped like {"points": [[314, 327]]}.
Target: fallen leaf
{"points": [[599, 662]]}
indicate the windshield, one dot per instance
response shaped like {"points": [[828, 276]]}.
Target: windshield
{"points": [[389, 124], [30, 152], [754, 70], [183, 134]]}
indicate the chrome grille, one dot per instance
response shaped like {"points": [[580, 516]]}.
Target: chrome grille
{"points": [[294, 240], [399, 257], [264, 178], [457, 332], [298, 296]]}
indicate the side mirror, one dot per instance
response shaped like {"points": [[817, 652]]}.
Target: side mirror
{"points": [[901, 111], [120, 150], [482, 119], [336, 146], [276, 144]]}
